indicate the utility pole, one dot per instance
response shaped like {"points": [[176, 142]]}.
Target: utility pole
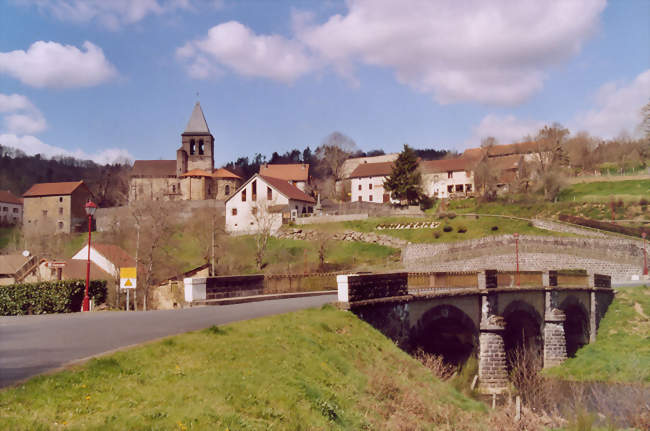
{"points": [[137, 249], [212, 265]]}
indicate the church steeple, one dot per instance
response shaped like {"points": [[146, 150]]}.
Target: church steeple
{"points": [[197, 145]]}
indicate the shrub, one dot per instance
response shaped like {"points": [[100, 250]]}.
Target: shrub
{"points": [[462, 229], [603, 225], [494, 228], [447, 228], [451, 215], [48, 296], [643, 202], [436, 234]]}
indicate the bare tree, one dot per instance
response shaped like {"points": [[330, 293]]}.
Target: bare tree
{"points": [[335, 149], [323, 241], [486, 175], [266, 219], [550, 159]]}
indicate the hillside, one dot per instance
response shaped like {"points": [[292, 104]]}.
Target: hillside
{"points": [[315, 369]]}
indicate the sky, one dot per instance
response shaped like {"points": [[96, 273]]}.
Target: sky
{"points": [[115, 80]]}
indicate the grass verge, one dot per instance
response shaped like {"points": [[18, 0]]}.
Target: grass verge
{"points": [[621, 352], [314, 369]]}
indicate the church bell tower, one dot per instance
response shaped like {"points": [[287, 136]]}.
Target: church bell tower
{"points": [[197, 145]]}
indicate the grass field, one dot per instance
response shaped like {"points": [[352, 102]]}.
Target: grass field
{"points": [[315, 369], [630, 190], [621, 352]]}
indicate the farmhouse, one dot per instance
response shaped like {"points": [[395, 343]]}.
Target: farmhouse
{"points": [[296, 174], [263, 203], [447, 178], [108, 257], [11, 208], [191, 176], [55, 207], [367, 183]]}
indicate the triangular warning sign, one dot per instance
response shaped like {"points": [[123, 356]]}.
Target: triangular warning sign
{"points": [[128, 283]]}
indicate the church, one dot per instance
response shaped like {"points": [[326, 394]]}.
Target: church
{"points": [[191, 176]]}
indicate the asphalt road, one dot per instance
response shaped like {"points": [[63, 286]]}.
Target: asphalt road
{"points": [[31, 345]]}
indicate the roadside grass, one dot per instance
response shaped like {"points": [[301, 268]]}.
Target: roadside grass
{"points": [[313, 369], [629, 190], [621, 352]]}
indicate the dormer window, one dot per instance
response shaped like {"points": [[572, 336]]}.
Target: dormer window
{"points": [[192, 147], [201, 149]]}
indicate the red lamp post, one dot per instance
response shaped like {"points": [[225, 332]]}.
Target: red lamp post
{"points": [[90, 208], [517, 255], [645, 256]]}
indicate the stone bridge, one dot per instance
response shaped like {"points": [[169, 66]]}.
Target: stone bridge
{"points": [[485, 313]]}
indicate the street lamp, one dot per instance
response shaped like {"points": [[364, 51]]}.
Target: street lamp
{"points": [[90, 208], [645, 256], [517, 255]]}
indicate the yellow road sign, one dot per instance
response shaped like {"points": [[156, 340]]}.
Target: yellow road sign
{"points": [[128, 279]]}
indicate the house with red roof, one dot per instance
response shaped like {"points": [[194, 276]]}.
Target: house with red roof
{"points": [[191, 176], [296, 174], [11, 208], [367, 183], [265, 203], [448, 178], [55, 207]]}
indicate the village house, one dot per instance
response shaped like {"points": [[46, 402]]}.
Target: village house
{"points": [[55, 207], [264, 203], [191, 176], [296, 174], [11, 208], [367, 183], [447, 178], [108, 257]]}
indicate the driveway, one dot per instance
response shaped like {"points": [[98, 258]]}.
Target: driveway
{"points": [[30, 345]]}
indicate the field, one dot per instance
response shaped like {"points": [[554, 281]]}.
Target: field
{"points": [[621, 352], [315, 369], [629, 190]]}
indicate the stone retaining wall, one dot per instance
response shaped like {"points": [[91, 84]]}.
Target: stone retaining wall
{"points": [[349, 235], [567, 228], [330, 218]]}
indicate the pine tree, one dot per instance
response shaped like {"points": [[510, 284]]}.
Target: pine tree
{"points": [[404, 180]]}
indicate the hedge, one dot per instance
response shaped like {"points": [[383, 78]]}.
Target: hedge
{"points": [[602, 225], [49, 296]]}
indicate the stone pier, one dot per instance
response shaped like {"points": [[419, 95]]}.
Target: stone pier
{"points": [[492, 368]]}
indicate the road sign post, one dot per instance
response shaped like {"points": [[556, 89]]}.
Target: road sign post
{"points": [[128, 281]]}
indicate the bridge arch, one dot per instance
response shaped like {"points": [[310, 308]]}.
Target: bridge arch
{"points": [[523, 333], [447, 331], [576, 325]]}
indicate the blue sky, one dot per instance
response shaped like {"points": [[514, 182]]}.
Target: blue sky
{"points": [[105, 80]]}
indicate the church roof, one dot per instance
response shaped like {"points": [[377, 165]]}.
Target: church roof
{"points": [[154, 168], [197, 123], [225, 173], [197, 173]]}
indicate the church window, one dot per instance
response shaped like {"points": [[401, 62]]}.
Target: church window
{"points": [[173, 189], [201, 149], [227, 189], [192, 146], [243, 195]]}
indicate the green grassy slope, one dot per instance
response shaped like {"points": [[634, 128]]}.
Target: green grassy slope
{"points": [[621, 352], [602, 191], [314, 369]]}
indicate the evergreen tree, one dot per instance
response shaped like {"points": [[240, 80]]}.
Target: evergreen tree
{"points": [[404, 180]]}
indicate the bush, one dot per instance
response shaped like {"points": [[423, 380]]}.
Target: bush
{"points": [[451, 215], [643, 202], [462, 229], [447, 228], [495, 228], [48, 296], [436, 234], [603, 225]]}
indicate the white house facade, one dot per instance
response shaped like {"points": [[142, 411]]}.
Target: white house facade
{"points": [[367, 183], [263, 202], [11, 208], [447, 178]]}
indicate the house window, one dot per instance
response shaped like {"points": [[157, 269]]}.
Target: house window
{"points": [[468, 188], [450, 174], [5, 209], [370, 186], [201, 146], [359, 198], [254, 211], [192, 146], [310, 210], [254, 190], [60, 199], [173, 189], [459, 188], [15, 210], [234, 211], [60, 225], [370, 198], [359, 187], [269, 194], [44, 213], [60, 211], [227, 189], [209, 189], [450, 189], [243, 195]]}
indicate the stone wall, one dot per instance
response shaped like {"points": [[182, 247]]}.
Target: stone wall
{"points": [[349, 235], [362, 287], [330, 218], [567, 228]]}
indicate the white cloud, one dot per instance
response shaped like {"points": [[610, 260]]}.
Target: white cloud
{"points": [[50, 64], [617, 110], [236, 47], [507, 129], [21, 116], [31, 145], [111, 13], [490, 52]]}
